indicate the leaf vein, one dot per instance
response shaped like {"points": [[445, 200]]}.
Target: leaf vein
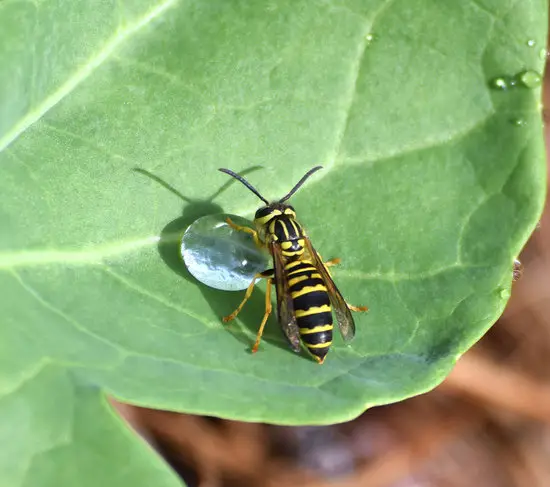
{"points": [[428, 143], [57, 311], [83, 73], [145, 292], [349, 96]]}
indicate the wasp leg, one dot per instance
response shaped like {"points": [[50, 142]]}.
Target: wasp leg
{"points": [[249, 289], [336, 261], [248, 230], [266, 316], [357, 308], [331, 262]]}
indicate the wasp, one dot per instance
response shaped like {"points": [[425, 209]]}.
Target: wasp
{"points": [[306, 293]]}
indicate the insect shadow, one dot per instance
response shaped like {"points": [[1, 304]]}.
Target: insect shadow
{"points": [[221, 302]]}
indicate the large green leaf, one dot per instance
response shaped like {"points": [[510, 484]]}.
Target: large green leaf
{"points": [[432, 184], [59, 431]]}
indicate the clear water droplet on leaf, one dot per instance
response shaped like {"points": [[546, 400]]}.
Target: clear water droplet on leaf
{"points": [[219, 256], [519, 122], [531, 43], [527, 79], [500, 83], [504, 293], [530, 79]]}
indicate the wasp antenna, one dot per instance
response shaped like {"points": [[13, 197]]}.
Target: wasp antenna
{"points": [[299, 183], [245, 182]]}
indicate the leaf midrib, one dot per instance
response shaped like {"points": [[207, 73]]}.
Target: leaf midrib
{"points": [[91, 255]]}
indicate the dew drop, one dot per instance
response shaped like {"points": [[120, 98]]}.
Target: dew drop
{"points": [[530, 79], [543, 54], [519, 122], [531, 43], [369, 37], [500, 83], [219, 256], [504, 293]]}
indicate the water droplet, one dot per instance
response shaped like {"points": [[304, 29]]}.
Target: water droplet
{"points": [[517, 271], [531, 43], [369, 37], [543, 54], [530, 79], [219, 256], [519, 122], [504, 293], [500, 83]]}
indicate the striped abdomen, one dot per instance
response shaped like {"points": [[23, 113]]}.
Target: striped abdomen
{"points": [[311, 306]]}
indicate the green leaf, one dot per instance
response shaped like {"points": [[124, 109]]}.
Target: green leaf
{"points": [[60, 431], [113, 120]]}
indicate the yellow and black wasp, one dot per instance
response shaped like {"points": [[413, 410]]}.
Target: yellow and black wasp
{"points": [[306, 293]]}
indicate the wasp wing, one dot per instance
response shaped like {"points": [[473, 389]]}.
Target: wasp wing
{"points": [[285, 306], [341, 310]]}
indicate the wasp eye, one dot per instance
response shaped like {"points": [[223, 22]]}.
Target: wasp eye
{"points": [[262, 212]]}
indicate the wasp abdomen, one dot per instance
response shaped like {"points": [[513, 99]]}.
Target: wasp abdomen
{"points": [[311, 306]]}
